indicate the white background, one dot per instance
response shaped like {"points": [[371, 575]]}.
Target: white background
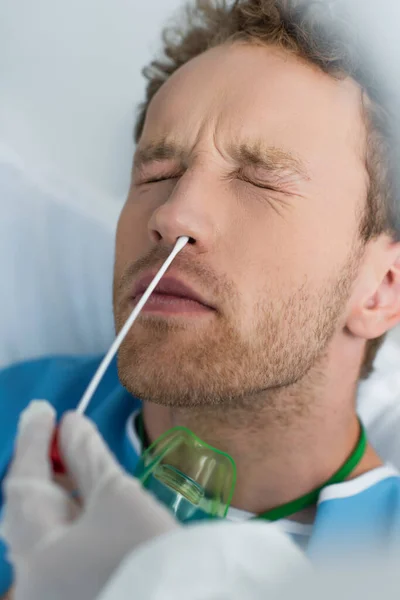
{"points": [[70, 82]]}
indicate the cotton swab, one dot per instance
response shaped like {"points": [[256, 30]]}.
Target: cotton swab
{"points": [[58, 466], [87, 396]]}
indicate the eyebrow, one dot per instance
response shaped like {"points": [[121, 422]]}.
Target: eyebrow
{"points": [[161, 150], [247, 154], [273, 159]]}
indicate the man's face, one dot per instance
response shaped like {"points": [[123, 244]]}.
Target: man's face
{"points": [[259, 158]]}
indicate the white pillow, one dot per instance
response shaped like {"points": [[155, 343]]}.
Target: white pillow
{"points": [[379, 402], [56, 260]]}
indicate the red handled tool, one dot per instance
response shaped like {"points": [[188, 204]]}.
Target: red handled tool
{"points": [[55, 457]]}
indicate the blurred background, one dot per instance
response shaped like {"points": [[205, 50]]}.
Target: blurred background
{"points": [[70, 79], [70, 82]]}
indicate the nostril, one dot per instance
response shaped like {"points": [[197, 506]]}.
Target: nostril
{"points": [[191, 240]]}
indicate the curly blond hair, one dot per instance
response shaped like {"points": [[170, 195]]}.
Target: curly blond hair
{"points": [[321, 35]]}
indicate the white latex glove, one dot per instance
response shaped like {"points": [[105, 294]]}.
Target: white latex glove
{"points": [[56, 555], [211, 561]]}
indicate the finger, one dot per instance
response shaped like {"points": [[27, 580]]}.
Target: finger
{"points": [[88, 460], [34, 506], [33, 511], [35, 431]]}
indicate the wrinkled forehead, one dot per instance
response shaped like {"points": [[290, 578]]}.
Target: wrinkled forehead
{"points": [[239, 91]]}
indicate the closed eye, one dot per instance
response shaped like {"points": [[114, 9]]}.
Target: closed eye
{"points": [[263, 186], [158, 179], [143, 179]]}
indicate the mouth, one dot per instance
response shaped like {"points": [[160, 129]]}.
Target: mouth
{"points": [[171, 297]]}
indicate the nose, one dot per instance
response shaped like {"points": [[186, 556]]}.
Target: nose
{"points": [[187, 211]]}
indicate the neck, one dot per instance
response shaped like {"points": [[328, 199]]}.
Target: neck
{"points": [[285, 442]]}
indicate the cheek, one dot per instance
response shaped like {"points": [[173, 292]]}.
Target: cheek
{"points": [[124, 235], [277, 254], [129, 239], [132, 229]]}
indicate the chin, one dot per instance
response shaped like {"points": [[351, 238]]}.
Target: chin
{"points": [[189, 378], [165, 382]]}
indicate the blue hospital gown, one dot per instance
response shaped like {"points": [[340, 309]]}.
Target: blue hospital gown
{"points": [[365, 510]]}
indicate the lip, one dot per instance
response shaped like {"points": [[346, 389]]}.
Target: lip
{"points": [[169, 286]]}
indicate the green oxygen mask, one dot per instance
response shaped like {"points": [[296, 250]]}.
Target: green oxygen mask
{"points": [[194, 480]]}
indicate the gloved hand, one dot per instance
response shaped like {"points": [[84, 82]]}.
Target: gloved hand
{"points": [[56, 553]]}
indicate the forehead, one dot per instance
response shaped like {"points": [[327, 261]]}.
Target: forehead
{"points": [[239, 91]]}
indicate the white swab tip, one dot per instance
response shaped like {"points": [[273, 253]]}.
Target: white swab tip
{"points": [[181, 242]]}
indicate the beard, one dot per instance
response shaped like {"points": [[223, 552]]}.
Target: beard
{"points": [[218, 362]]}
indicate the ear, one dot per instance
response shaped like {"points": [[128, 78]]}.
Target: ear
{"points": [[378, 308]]}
